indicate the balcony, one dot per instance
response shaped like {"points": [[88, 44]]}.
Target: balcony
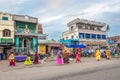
{"points": [[25, 19], [91, 31]]}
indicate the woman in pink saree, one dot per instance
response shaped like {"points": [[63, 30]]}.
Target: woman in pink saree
{"points": [[59, 60]]}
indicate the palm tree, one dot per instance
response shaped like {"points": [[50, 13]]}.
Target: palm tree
{"points": [[107, 29]]}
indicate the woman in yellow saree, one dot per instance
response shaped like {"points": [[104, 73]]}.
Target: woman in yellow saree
{"points": [[98, 55], [28, 61]]}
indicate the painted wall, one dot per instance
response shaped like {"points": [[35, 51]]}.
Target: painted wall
{"points": [[6, 24], [42, 49], [20, 26]]}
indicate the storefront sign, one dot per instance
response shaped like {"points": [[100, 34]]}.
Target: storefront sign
{"points": [[42, 49], [6, 40], [54, 45], [111, 41]]}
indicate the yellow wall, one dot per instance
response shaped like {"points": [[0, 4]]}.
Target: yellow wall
{"points": [[6, 24], [42, 49]]}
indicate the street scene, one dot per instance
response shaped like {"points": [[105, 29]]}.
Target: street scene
{"points": [[59, 40], [88, 69]]}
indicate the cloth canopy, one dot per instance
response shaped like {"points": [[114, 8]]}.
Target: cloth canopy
{"points": [[76, 46]]}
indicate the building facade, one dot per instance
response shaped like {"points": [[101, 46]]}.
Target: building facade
{"points": [[88, 32], [25, 33], [46, 46], [6, 33], [39, 29], [114, 41]]}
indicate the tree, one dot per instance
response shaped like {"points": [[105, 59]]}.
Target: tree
{"points": [[107, 29]]}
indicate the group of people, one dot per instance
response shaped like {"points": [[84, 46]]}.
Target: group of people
{"points": [[98, 54], [63, 57], [27, 61]]}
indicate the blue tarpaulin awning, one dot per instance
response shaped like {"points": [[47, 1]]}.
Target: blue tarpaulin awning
{"points": [[76, 46]]}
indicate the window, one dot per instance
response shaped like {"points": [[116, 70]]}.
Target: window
{"points": [[79, 26], [99, 29], [87, 36], [93, 36], [6, 33], [98, 36], [5, 18], [92, 28], [103, 36], [72, 28], [81, 35]]}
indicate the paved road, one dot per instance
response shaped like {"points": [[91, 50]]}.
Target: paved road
{"points": [[88, 69]]}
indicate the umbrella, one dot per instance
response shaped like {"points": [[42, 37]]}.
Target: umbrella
{"points": [[76, 46]]}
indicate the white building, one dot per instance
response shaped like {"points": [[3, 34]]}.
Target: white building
{"points": [[88, 32]]}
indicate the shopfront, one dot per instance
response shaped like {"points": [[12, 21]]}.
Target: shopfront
{"points": [[6, 45], [25, 38], [48, 47]]}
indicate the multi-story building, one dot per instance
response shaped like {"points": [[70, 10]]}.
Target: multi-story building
{"points": [[25, 33], [6, 33], [114, 41], [18, 33], [88, 32]]}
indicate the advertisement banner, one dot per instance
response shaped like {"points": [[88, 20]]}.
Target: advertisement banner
{"points": [[42, 49]]}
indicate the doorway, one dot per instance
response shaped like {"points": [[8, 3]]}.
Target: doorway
{"points": [[6, 51]]}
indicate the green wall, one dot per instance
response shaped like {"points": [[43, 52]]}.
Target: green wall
{"points": [[20, 26]]}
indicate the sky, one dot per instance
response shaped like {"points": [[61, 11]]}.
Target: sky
{"points": [[55, 14]]}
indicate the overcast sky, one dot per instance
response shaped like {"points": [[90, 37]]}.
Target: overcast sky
{"points": [[55, 14]]}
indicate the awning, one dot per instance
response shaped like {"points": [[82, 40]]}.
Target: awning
{"points": [[26, 34], [2, 44], [54, 45]]}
